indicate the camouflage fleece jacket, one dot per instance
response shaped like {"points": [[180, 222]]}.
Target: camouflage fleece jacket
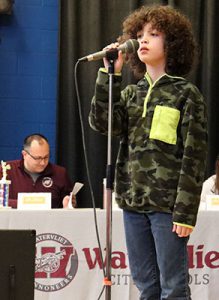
{"points": [[162, 128]]}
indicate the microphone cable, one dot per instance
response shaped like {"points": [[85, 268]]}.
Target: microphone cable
{"points": [[88, 172]]}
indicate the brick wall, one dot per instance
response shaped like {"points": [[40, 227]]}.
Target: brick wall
{"points": [[28, 74]]}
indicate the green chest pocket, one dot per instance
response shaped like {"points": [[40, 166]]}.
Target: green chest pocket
{"points": [[164, 124]]}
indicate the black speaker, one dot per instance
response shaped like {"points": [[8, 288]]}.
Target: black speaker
{"points": [[17, 264]]}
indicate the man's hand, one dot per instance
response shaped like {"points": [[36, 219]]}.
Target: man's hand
{"points": [[73, 201], [66, 200]]}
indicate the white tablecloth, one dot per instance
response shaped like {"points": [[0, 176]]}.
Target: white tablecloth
{"points": [[68, 260]]}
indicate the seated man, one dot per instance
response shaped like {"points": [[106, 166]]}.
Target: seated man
{"points": [[34, 173], [211, 184]]}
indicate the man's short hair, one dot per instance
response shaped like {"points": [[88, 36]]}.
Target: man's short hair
{"points": [[33, 137]]}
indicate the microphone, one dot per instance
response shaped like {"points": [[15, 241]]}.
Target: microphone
{"points": [[130, 46]]}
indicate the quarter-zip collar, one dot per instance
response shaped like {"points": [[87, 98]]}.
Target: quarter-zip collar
{"points": [[151, 86]]}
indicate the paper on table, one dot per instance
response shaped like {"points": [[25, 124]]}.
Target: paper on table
{"points": [[75, 190]]}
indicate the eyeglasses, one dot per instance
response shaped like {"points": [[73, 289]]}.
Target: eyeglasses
{"points": [[37, 158]]}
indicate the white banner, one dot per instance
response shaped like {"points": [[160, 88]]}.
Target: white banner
{"points": [[68, 264]]}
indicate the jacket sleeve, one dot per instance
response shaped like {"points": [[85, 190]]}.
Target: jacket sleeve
{"points": [[98, 117], [194, 135]]}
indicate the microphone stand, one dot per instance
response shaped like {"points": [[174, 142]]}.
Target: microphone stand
{"points": [[111, 57]]}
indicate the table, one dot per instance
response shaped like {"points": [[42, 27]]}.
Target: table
{"points": [[68, 264]]}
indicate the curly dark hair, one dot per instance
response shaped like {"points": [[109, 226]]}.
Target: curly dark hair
{"points": [[179, 45]]}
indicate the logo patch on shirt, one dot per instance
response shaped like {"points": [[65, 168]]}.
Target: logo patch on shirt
{"points": [[47, 182]]}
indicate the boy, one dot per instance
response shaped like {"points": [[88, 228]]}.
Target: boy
{"points": [[161, 123]]}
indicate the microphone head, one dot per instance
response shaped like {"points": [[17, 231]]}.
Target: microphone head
{"points": [[131, 46]]}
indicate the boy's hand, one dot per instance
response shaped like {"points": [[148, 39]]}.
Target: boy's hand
{"points": [[118, 63], [182, 231]]}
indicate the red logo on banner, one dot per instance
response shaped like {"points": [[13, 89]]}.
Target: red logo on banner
{"points": [[56, 262]]}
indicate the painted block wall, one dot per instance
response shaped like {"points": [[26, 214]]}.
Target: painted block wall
{"points": [[28, 74]]}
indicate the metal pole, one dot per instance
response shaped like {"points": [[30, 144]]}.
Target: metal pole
{"points": [[109, 187]]}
